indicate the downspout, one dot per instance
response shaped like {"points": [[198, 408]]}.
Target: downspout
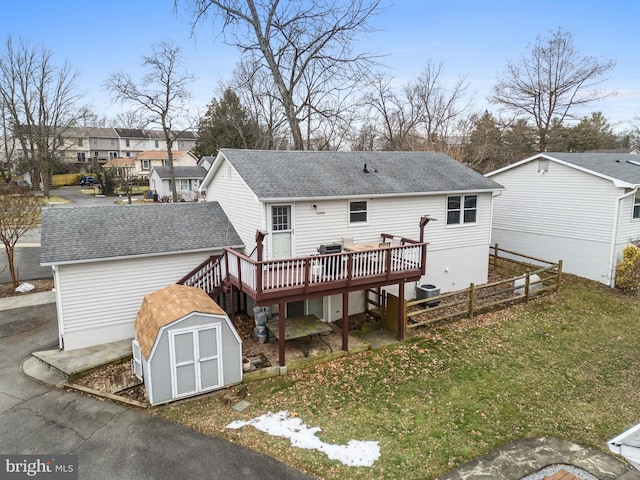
{"points": [[612, 253], [58, 292]]}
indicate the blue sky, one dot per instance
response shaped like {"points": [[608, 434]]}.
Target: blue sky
{"points": [[473, 39]]}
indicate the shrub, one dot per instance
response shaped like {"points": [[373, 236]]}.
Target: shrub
{"points": [[628, 270]]}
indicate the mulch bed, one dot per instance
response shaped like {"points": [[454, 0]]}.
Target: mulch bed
{"points": [[7, 290]]}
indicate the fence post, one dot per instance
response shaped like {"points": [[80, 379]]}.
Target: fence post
{"points": [[559, 280], [495, 256], [472, 293]]}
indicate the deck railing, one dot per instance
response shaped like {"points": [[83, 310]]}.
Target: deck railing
{"points": [[272, 278]]}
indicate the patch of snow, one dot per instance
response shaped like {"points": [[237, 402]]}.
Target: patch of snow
{"points": [[356, 453], [25, 287]]}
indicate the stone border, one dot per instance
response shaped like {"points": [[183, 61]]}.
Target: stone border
{"points": [[523, 457]]}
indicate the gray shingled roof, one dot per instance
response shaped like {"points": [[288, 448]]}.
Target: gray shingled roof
{"points": [[621, 166], [276, 174], [80, 234], [181, 172], [130, 132]]}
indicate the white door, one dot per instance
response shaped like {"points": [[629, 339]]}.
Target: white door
{"points": [[195, 360], [281, 232]]}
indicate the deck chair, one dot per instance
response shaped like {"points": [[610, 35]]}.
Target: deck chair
{"points": [[347, 241]]}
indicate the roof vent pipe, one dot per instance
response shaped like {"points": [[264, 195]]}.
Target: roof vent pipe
{"points": [[365, 169]]}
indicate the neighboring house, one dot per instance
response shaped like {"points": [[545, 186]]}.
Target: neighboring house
{"points": [[124, 168], [206, 161], [187, 179], [102, 273], [305, 199], [131, 141], [185, 140], [149, 159], [103, 146], [581, 208]]}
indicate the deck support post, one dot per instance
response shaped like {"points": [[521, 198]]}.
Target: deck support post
{"points": [[345, 321], [402, 319], [282, 310]]}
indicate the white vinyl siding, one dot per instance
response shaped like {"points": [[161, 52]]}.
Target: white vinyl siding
{"points": [[239, 203], [102, 299], [467, 263], [564, 214], [562, 202]]}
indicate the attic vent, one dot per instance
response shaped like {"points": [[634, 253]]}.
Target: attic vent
{"points": [[543, 165], [633, 162]]}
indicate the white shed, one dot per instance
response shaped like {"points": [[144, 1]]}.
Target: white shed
{"points": [[185, 345]]}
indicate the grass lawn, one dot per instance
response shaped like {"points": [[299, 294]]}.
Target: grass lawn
{"points": [[565, 366]]}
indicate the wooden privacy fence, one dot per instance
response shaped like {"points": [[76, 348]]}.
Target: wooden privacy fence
{"points": [[539, 276]]}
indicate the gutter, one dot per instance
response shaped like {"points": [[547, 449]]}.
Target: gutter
{"points": [[611, 272], [620, 446]]}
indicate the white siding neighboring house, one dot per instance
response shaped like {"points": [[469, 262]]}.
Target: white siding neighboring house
{"points": [[188, 181], [581, 208], [106, 259], [149, 159], [306, 199]]}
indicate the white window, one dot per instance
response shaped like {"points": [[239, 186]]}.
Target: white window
{"points": [[113, 142], [462, 209], [182, 184], [95, 154], [81, 157], [94, 141], [358, 212], [127, 143], [181, 144], [636, 206], [280, 218], [157, 143], [145, 164], [80, 142]]}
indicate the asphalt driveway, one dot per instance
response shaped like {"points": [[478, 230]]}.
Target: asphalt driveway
{"points": [[111, 441]]}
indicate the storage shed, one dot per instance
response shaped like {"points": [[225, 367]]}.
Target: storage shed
{"points": [[185, 345]]}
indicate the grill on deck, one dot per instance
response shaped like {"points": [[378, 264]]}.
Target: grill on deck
{"points": [[328, 248]]}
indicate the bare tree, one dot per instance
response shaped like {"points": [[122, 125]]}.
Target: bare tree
{"points": [[19, 212], [305, 46], [397, 116], [40, 103], [161, 95], [440, 106], [549, 81], [255, 89]]}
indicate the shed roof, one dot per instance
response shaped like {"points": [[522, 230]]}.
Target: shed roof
{"points": [[181, 172], [167, 305], [274, 174], [88, 234]]}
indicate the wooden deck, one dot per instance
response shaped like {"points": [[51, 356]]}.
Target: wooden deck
{"points": [[269, 282]]}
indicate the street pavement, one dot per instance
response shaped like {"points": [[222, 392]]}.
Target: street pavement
{"points": [[112, 441]]}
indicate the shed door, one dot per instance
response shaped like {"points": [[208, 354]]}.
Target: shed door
{"points": [[195, 360]]}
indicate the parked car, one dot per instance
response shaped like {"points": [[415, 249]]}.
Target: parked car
{"points": [[87, 181], [23, 184]]}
